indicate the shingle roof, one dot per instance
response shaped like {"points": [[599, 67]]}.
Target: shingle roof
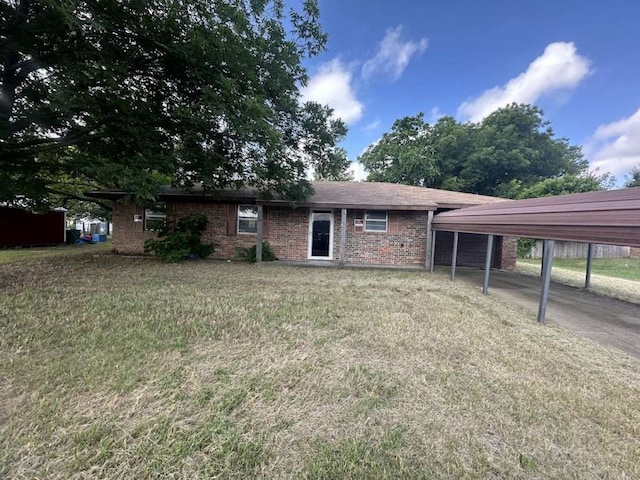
{"points": [[372, 195], [387, 196]]}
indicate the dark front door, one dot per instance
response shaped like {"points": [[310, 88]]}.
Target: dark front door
{"points": [[321, 234]]}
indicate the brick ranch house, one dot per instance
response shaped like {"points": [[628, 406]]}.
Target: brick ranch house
{"points": [[343, 222]]}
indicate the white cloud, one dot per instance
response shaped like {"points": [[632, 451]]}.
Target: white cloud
{"points": [[393, 55], [370, 127], [615, 147], [559, 68], [358, 171], [435, 114], [332, 86]]}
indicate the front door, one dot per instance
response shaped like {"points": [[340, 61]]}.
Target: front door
{"points": [[321, 235]]}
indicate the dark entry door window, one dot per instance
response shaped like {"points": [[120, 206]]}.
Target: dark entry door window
{"points": [[321, 234]]}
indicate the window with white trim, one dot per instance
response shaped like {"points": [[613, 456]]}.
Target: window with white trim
{"points": [[155, 218], [247, 219], [375, 221]]}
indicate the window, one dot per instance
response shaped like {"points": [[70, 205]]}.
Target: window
{"points": [[247, 219], [375, 221], [154, 218]]}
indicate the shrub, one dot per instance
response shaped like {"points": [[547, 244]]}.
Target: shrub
{"points": [[249, 254], [524, 246], [181, 240]]}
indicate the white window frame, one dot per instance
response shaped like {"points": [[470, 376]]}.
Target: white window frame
{"points": [[376, 220], [254, 207], [154, 214]]}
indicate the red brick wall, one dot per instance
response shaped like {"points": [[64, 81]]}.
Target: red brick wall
{"points": [[129, 236], [287, 231], [508, 252], [216, 231], [406, 244]]}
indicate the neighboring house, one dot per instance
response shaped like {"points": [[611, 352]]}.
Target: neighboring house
{"points": [[92, 225], [385, 224], [21, 228]]}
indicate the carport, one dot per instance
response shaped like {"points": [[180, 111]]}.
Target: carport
{"points": [[609, 217]]}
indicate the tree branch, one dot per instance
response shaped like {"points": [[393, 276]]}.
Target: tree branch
{"points": [[73, 196], [44, 145]]}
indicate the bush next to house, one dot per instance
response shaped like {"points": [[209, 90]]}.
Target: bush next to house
{"points": [[249, 254], [181, 239]]}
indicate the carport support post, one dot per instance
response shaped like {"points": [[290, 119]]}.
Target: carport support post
{"points": [[260, 235], [427, 260], [343, 236], [454, 257], [487, 265], [432, 258], [587, 280], [546, 279]]}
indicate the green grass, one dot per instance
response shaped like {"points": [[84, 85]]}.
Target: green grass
{"points": [[9, 255], [115, 367], [625, 268]]}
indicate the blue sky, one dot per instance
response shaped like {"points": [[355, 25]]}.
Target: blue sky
{"points": [[578, 60]]}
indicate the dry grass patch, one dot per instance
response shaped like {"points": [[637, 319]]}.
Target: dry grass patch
{"points": [[212, 369], [620, 288]]}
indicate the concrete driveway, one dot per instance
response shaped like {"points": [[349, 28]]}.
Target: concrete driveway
{"points": [[602, 319]]}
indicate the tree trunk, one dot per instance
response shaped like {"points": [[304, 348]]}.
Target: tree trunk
{"points": [[11, 58]]}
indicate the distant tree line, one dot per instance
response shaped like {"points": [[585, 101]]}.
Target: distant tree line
{"points": [[512, 153]]}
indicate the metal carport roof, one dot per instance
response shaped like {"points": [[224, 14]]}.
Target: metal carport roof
{"points": [[611, 217]]}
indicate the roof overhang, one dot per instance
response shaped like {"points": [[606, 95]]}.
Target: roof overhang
{"points": [[609, 217]]}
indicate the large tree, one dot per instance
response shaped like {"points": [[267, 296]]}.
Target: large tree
{"points": [[132, 93], [404, 155], [510, 150]]}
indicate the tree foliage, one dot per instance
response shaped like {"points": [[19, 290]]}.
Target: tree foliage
{"points": [[335, 167], [587, 182], [509, 151], [633, 179], [126, 94], [403, 155]]}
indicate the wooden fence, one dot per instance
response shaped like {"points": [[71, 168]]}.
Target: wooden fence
{"points": [[579, 250]]}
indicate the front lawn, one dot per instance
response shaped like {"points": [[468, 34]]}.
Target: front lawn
{"points": [[118, 367], [9, 255]]}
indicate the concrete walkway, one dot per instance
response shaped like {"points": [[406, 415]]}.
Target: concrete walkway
{"points": [[602, 319]]}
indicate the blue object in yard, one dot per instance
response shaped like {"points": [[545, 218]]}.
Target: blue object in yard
{"points": [[84, 239], [97, 237]]}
